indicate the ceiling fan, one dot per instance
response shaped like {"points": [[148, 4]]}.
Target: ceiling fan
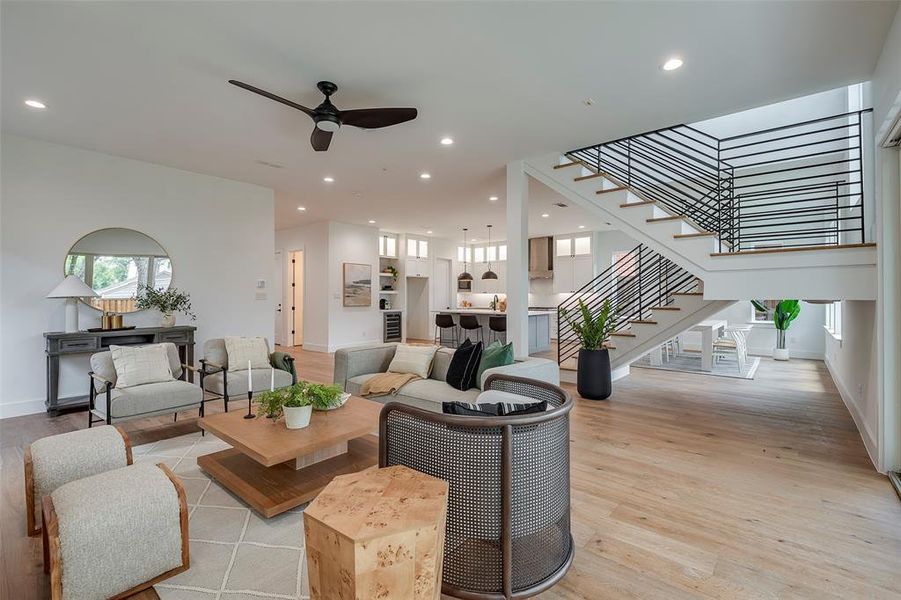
{"points": [[328, 119]]}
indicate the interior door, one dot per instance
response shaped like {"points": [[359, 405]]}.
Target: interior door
{"points": [[279, 293], [442, 290]]}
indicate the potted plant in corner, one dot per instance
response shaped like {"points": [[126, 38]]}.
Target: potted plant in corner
{"points": [[168, 302], [594, 377], [786, 312]]}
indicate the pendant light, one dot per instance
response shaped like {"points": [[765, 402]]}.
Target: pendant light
{"points": [[489, 274], [465, 275]]}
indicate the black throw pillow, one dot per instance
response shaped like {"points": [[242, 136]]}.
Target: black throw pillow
{"points": [[492, 410], [464, 366]]}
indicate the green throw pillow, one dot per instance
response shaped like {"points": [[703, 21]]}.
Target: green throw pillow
{"points": [[495, 355]]}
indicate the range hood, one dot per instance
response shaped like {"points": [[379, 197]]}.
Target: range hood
{"points": [[541, 258]]}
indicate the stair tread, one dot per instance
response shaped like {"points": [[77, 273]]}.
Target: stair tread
{"points": [[591, 176], [669, 218], [798, 249], [644, 322], [665, 308], [607, 191], [642, 203], [569, 164], [695, 235], [623, 334], [688, 293]]}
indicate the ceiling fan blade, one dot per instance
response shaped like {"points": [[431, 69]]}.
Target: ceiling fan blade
{"points": [[320, 139], [373, 118], [271, 96]]}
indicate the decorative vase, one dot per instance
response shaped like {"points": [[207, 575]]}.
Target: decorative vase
{"points": [[168, 319], [344, 398], [780, 352], [298, 417], [594, 377]]}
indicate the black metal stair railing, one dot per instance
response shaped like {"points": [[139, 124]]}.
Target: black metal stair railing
{"points": [[794, 185], [635, 284]]}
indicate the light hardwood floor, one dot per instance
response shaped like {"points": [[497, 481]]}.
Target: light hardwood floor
{"points": [[683, 486]]}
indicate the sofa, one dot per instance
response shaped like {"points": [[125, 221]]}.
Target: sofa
{"points": [[355, 365]]}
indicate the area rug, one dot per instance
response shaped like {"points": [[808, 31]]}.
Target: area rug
{"points": [[235, 553], [691, 363]]}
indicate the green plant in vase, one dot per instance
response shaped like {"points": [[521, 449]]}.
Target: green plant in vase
{"points": [[298, 406], [168, 302], [271, 404]]}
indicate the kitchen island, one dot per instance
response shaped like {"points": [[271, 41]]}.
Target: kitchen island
{"points": [[539, 324]]}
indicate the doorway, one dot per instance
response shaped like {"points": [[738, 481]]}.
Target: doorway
{"points": [[279, 295], [296, 297]]}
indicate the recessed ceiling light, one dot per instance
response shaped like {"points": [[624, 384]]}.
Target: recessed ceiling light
{"points": [[301, 208], [31, 102], [328, 179], [545, 215], [474, 240], [371, 222], [672, 64], [425, 176], [446, 141], [492, 198], [581, 227], [429, 231]]}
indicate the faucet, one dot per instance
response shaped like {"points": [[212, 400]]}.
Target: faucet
{"points": [[494, 302]]}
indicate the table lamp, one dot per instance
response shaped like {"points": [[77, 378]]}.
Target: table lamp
{"points": [[72, 288]]}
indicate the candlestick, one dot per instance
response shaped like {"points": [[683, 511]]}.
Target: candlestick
{"points": [[249, 414]]}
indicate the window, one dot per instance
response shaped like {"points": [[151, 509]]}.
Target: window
{"points": [[502, 252], [480, 254], [834, 319], [464, 254], [764, 313], [492, 253], [582, 245], [564, 247]]}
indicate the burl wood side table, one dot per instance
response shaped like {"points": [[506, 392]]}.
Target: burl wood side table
{"points": [[377, 534]]}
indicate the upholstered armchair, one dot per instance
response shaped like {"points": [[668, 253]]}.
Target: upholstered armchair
{"points": [[217, 379], [109, 403]]}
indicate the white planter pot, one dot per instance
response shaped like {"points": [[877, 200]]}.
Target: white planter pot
{"points": [[780, 353], [297, 417], [168, 320]]}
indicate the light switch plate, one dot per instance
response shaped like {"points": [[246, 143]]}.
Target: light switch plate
{"points": [[260, 295]]}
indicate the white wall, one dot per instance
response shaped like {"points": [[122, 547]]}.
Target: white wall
{"points": [[852, 363], [218, 233], [328, 324]]}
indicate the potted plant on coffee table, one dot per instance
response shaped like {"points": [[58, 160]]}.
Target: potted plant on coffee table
{"points": [[593, 380], [326, 397], [298, 406]]}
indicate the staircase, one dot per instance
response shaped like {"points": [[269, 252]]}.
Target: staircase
{"points": [[773, 213], [653, 299]]}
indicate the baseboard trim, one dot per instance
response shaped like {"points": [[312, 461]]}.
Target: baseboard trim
{"points": [[764, 351], [315, 347], [869, 440], [9, 410]]}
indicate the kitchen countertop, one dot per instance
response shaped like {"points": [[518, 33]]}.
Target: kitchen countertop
{"points": [[488, 311]]}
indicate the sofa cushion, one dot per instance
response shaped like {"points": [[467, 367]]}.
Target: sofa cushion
{"points": [[461, 374], [441, 363], [497, 396], [413, 359], [167, 396], [492, 410], [495, 355], [140, 365], [102, 364], [215, 352], [247, 351], [237, 381], [422, 393]]}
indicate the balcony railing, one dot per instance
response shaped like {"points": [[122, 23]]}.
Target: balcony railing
{"points": [[788, 186]]}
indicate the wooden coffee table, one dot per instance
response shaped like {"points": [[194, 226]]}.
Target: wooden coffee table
{"points": [[274, 469]]}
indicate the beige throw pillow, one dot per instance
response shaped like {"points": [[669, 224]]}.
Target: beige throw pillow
{"points": [[240, 350], [138, 365], [413, 359]]}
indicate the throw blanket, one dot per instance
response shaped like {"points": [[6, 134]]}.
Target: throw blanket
{"points": [[278, 362], [386, 383]]}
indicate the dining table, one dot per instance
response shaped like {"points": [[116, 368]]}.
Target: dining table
{"points": [[709, 329]]}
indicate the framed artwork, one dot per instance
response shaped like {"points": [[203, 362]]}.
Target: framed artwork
{"points": [[357, 284]]}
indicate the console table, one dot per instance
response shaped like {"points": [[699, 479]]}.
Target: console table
{"points": [[88, 342]]}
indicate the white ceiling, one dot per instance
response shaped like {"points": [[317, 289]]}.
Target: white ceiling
{"points": [[506, 80]]}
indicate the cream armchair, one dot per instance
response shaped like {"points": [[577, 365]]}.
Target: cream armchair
{"points": [[215, 377], [111, 404]]}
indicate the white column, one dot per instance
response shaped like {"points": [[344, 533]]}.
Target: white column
{"points": [[518, 258]]}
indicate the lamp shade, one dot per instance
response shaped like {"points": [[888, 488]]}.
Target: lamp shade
{"points": [[72, 287], [489, 274]]}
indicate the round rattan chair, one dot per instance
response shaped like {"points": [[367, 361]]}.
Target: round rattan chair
{"points": [[508, 522]]}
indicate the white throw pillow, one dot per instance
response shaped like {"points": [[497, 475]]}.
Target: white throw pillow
{"points": [[413, 359], [499, 397], [137, 365], [240, 350]]}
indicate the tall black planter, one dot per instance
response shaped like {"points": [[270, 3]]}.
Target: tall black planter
{"points": [[593, 381]]}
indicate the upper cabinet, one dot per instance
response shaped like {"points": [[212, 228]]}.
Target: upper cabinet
{"points": [[573, 262], [417, 247], [418, 263], [388, 245]]}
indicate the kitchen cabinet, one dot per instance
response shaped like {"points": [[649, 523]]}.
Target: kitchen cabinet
{"points": [[417, 247], [418, 263], [573, 263], [539, 333], [387, 245]]}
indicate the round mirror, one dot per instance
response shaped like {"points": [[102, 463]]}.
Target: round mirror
{"points": [[115, 263]]}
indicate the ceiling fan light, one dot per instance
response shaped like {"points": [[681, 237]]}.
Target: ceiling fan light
{"points": [[328, 125]]}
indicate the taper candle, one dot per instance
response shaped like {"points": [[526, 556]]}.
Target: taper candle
{"points": [[249, 378], [271, 379]]}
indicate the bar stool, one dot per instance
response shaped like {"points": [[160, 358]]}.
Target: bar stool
{"points": [[471, 323], [497, 324], [442, 322]]}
